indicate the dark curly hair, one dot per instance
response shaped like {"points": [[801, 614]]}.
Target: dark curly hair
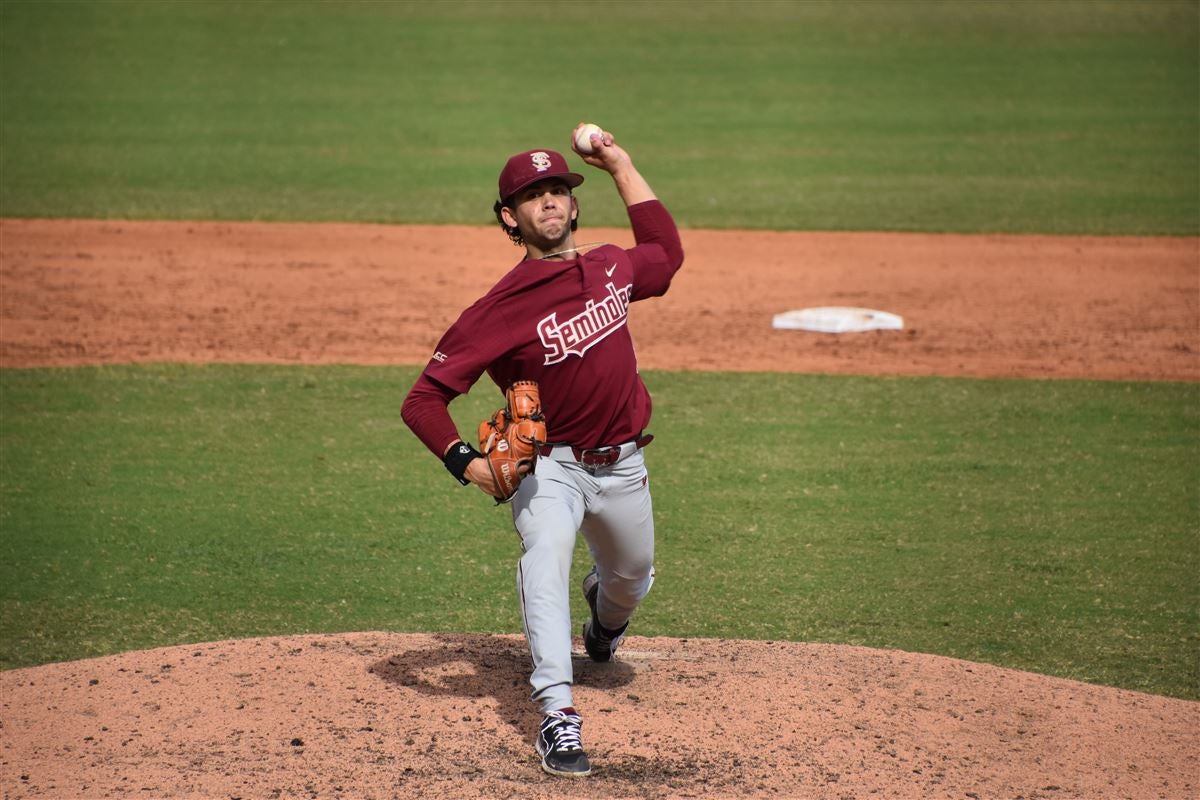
{"points": [[514, 233]]}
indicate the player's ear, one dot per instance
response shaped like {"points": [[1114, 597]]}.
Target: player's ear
{"points": [[574, 208], [509, 218]]}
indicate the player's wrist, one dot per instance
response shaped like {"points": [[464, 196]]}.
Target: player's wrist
{"points": [[458, 458]]}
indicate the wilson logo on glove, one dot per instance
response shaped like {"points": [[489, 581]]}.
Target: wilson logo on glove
{"points": [[512, 439]]}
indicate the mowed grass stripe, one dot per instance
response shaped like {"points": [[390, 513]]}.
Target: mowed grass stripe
{"points": [[1063, 117]]}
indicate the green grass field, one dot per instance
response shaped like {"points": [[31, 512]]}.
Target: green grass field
{"points": [[1056, 117], [1042, 525]]}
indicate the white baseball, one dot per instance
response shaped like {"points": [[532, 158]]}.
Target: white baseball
{"points": [[583, 138]]}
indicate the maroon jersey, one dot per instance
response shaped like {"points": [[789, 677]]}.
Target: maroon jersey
{"points": [[562, 324]]}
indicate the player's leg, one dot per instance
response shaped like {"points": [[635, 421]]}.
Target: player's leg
{"points": [[619, 528], [547, 511]]}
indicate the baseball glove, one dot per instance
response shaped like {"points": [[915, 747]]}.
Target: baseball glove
{"points": [[512, 439]]}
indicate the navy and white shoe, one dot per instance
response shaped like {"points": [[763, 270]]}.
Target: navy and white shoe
{"points": [[599, 642], [560, 746]]}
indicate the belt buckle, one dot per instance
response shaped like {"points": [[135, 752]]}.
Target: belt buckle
{"points": [[600, 457]]}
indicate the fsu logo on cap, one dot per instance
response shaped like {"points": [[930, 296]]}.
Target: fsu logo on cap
{"points": [[541, 160]]}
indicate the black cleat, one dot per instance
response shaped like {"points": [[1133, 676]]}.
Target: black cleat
{"points": [[601, 644], [560, 746]]}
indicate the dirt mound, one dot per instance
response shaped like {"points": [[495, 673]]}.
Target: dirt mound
{"points": [[387, 715]]}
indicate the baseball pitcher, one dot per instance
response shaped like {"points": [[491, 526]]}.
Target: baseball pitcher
{"points": [[566, 449]]}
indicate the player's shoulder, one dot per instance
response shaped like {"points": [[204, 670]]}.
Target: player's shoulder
{"points": [[510, 283], [511, 288], [607, 253]]}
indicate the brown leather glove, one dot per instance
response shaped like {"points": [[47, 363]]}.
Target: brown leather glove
{"points": [[512, 439]]}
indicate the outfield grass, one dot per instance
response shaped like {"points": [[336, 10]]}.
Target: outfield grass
{"points": [[1048, 526], [1052, 117]]}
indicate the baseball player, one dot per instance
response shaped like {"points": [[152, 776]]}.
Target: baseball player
{"points": [[559, 318]]}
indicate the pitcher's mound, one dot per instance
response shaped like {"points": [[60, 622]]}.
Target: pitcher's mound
{"points": [[448, 716]]}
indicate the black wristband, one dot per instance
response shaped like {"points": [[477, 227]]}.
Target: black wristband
{"points": [[457, 458]]}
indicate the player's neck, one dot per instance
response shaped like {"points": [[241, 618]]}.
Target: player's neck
{"points": [[558, 251]]}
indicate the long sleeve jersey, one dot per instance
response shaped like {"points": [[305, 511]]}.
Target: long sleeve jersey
{"points": [[562, 324]]}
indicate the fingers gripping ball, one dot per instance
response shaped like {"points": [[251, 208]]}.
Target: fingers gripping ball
{"points": [[583, 137], [512, 439]]}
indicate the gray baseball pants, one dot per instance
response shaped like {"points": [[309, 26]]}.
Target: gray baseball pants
{"points": [[611, 507]]}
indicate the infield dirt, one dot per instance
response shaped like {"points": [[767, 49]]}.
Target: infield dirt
{"points": [[85, 292], [395, 715]]}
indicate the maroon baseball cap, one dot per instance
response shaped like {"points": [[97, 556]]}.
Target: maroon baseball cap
{"points": [[533, 166]]}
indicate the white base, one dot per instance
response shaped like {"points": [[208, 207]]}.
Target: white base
{"points": [[837, 319]]}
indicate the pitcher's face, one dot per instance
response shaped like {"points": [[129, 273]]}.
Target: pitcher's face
{"points": [[543, 212]]}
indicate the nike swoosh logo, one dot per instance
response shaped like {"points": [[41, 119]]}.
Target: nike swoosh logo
{"points": [[610, 270]]}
